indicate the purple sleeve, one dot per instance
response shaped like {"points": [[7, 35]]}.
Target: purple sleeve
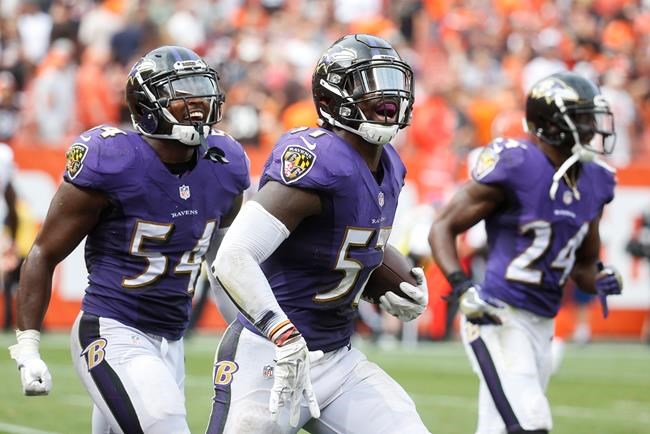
{"points": [[306, 162], [500, 165], [98, 163]]}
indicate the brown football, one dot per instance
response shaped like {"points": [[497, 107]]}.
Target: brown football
{"points": [[395, 269]]}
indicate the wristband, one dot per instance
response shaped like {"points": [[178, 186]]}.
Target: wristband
{"points": [[27, 346], [283, 332], [459, 282], [455, 278]]}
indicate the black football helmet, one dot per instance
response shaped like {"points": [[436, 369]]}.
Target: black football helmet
{"points": [[358, 69], [568, 110], [166, 74]]}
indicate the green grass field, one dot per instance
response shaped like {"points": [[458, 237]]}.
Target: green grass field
{"points": [[603, 388]]}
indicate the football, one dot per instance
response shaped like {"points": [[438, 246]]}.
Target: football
{"points": [[395, 269]]}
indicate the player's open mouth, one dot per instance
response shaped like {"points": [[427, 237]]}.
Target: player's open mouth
{"points": [[196, 116], [386, 109]]}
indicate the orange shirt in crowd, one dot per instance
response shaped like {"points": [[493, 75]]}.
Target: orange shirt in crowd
{"points": [[97, 101]]}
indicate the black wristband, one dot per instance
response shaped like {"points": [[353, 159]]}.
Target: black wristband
{"points": [[456, 278], [459, 282]]}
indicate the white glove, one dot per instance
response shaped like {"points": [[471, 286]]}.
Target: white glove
{"points": [[479, 310], [34, 375], [403, 308], [291, 380]]}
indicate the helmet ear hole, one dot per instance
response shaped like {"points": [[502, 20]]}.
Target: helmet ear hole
{"points": [[148, 122]]}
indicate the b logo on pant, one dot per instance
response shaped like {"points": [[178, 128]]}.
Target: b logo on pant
{"points": [[95, 353], [223, 372]]}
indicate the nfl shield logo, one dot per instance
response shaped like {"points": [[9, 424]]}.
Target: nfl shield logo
{"points": [[380, 198], [184, 191], [267, 372]]}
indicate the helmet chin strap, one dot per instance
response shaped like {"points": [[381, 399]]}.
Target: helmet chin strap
{"points": [[186, 134], [579, 153], [376, 134]]}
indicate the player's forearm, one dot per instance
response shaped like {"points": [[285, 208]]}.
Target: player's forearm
{"points": [[584, 276], [443, 247], [12, 214], [251, 239], [34, 291]]}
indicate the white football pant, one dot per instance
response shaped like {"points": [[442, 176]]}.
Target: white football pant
{"points": [[513, 362], [135, 379], [355, 395]]}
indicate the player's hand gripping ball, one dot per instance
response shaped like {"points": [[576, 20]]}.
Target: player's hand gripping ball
{"points": [[395, 269]]}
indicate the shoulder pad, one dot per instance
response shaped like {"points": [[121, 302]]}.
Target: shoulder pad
{"points": [[310, 158], [102, 150], [225, 142], [499, 158], [310, 138], [231, 153]]}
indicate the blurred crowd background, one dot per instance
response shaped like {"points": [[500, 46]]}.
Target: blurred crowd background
{"points": [[63, 66]]}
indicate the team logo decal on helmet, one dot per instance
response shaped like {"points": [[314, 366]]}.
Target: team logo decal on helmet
{"points": [[74, 159], [296, 163], [329, 58], [552, 88]]}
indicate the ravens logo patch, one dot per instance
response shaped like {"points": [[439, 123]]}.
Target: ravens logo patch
{"points": [[74, 159], [296, 163], [486, 163]]}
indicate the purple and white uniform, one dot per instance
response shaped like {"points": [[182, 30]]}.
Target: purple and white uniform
{"points": [[532, 243], [317, 275], [318, 272], [532, 240], [143, 258]]}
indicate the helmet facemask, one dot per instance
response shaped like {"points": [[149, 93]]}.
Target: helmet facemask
{"points": [[361, 94], [588, 129], [189, 80]]}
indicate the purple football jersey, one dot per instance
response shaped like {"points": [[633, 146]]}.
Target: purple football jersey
{"points": [[318, 273], [532, 239], [144, 256]]}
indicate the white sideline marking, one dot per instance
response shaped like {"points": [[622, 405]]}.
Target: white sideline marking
{"points": [[20, 429]]}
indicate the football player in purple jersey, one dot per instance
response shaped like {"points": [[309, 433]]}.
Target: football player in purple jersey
{"points": [[297, 257], [541, 199], [150, 204]]}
